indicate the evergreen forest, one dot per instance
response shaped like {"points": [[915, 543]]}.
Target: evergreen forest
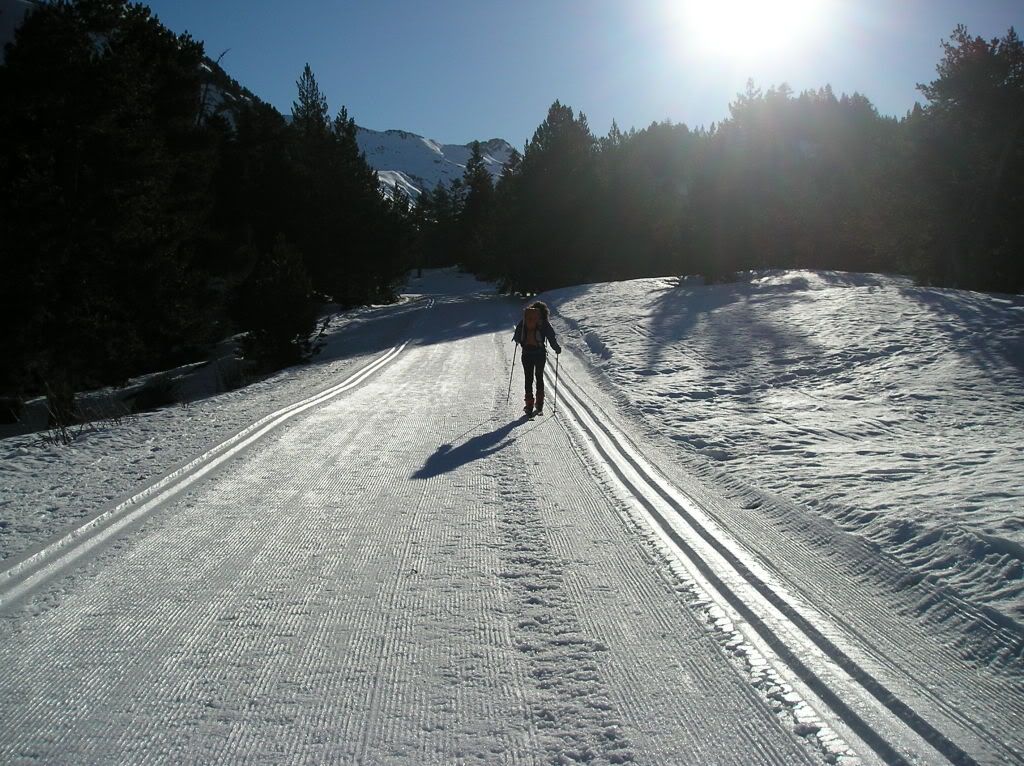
{"points": [[150, 206], [811, 180]]}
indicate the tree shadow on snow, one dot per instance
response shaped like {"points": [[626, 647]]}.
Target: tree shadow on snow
{"points": [[448, 457], [454, 318], [735, 338], [427, 321], [985, 326]]}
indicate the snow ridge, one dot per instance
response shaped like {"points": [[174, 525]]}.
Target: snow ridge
{"points": [[890, 409], [416, 163]]}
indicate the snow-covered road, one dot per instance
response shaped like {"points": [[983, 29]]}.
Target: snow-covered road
{"points": [[402, 572]]}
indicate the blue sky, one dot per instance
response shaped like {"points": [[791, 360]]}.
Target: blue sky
{"points": [[462, 70]]}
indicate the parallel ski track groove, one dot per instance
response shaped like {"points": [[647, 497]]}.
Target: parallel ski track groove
{"points": [[997, 645], [628, 686], [937, 621], [30, 570], [627, 573], [249, 563], [936, 608], [572, 400]]}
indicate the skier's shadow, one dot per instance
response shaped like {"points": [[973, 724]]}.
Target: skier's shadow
{"points": [[448, 458]]}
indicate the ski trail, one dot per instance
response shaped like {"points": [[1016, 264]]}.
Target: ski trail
{"points": [[387, 578], [34, 567], [801, 638]]}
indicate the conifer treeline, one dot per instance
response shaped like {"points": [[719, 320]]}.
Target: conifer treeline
{"points": [[810, 181], [143, 216], [149, 206]]}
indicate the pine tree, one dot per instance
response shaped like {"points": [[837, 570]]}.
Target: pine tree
{"points": [[555, 204], [309, 112], [104, 196], [971, 148], [277, 308], [475, 215]]}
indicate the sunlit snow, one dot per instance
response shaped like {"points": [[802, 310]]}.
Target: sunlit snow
{"points": [[895, 410], [417, 163]]}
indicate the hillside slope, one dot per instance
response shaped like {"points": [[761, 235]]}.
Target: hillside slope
{"points": [[895, 411]]}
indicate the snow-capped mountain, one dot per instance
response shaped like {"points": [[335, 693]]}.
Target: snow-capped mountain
{"points": [[406, 160], [416, 163]]}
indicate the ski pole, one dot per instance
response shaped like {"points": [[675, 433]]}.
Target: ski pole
{"points": [[511, 372], [554, 405]]}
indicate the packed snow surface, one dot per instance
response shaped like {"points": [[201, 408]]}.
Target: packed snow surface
{"points": [[897, 411], [408, 573], [46, 487]]}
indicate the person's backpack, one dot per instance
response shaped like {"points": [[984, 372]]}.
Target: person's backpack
{"points": [[533, 335]]}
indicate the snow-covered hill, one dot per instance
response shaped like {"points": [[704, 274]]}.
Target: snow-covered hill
{"points": [[892, 411], [416, 163]]}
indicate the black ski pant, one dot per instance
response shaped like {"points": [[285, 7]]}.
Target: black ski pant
{"points": [[533, 366]]}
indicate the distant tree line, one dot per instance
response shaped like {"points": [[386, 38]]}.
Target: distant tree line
{"points": [[812, 180], [150, 206]]}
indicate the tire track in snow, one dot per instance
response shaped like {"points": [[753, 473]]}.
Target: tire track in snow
{"points": [[665, 504]]}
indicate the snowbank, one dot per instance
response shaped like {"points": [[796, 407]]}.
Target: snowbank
{"points": [[45, 488], [895, 410]]}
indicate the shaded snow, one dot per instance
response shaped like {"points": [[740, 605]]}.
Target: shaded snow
{"points": [[45, 488], [895, 410]]}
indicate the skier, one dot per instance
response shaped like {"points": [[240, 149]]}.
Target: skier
{"points": [[531, 333]]}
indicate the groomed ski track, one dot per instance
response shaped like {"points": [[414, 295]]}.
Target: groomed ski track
{"points": [[400, 571]]}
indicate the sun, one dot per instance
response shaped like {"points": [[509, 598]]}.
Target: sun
{"points": [[747, 30]]}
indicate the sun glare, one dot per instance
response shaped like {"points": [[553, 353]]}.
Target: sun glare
{"points": [[747, 30]]}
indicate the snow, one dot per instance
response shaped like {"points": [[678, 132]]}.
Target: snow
{"points": [[45, 487], [215, 100], [410, 573], [894, 410], [314, 600], [419, 163], [389, 179]]}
